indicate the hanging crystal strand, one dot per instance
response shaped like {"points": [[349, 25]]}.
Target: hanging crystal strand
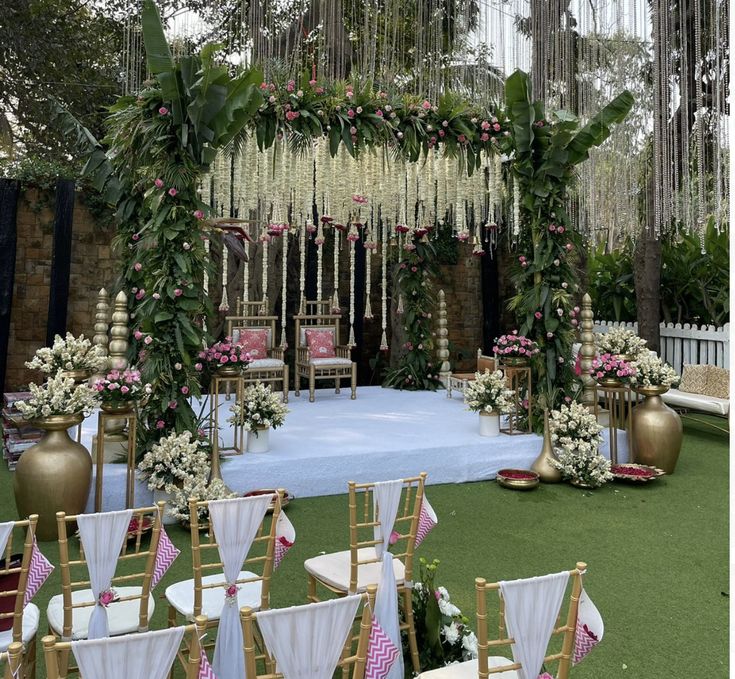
{"points": [[284, 290], [384, 287], [224, 304], [699, 97], [335, 281], [717, 117]]}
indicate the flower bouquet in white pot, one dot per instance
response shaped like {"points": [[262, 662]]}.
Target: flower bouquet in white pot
{"points": [[488, 396], [260, 411]]}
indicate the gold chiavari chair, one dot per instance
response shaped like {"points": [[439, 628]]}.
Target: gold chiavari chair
{"points": [[487, 666], [353, 570], [203, 594], [261, 664], [56, 652], [12, 660], [460, 381], [20, 621], [68, 613]]}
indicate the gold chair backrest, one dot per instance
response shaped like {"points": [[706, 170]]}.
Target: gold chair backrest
{"points": [[317, 322], [205, 554], [251, 308], [137, 558], [57, 652], [11, 569], [355, 654], [317, 307], [12, 660], [363, 520], [239, 323], [566, 631]]}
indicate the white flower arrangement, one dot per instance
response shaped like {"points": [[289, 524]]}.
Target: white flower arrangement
{"points": [[201, 489], [173, 461], [651, 371], [59, 396], [619, 341], [260, 408], [487, 393], [69, 353], [576, 437]]}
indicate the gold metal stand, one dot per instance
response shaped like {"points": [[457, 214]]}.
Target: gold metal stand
{"points": [[222, 384], [518, 380], [103, 419], [619, 402]]}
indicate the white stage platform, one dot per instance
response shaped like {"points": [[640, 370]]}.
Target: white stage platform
{"points": [[384, 434]]}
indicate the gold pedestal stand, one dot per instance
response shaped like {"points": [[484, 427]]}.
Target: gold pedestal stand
{"points": [[518, 380], [618, 402], [222, 384], [103, 421]]}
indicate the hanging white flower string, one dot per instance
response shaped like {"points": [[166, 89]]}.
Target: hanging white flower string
{"points": [[302, 269], [265, 239], [516, 208], [370, 245], [205, 282], [224, 304], [384, 288], [319, 240], [246, 275], [335, 283], [284, 267], [353, 236]]}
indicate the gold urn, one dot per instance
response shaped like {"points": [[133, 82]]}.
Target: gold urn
{"points": [[53, 476], [657, 431], [546, 471]]}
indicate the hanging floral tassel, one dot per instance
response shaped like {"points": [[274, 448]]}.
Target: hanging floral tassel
{"points": [[384, 288], [302, 268], [516, 208], [399, 308], [284, 267], [265, 239], [353, 236], [246, 277], [319, 240], [224, 304], [205, 283], [370, 245], [335, 296]]}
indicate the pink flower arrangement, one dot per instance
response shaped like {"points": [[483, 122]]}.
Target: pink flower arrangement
{"points": [[224, 353], [120, 386], [609, 367], [515, 346], [106, 597]]}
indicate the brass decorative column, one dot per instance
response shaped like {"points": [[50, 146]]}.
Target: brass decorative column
{"points": [[118, 352], [443, 342], [587, 352], [102, 320]]}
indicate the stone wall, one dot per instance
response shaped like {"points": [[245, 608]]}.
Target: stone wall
{"points": [[92, 267]]}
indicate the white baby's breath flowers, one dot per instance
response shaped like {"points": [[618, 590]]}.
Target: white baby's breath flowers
{"points": [[59, 396], [260, 408], [174, 460], [620, 341], [201, 489], [488, 393], [69, 353], [651, 371]]}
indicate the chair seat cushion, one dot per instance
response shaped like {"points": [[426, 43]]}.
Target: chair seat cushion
{"points": [[123, 617], [321, 362], [468, 670], [700, 402], [334, 569], [263, 363], [181, 595], [31, 616]]}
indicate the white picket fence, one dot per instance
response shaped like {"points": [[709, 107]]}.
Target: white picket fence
{"points": [[685, 343]]}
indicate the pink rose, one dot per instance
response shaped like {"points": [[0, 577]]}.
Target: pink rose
{"points": [[395, 536], [156, 295], [163, 111], [426, 105], [173, 405], [124, 389], [198, 214], [442, 133], [178, 292], [172, 192], [137, 266], [140, 294], [312, 82], [198, 367], [538, 315], [485, 125], [496, 127], [350, 113], [159, 185], [290, 86], [160, 424], [106, 598], [148, 339], [184, 390], [379, 113], [224, 358], [136, 236], [484, 136], [138, 335]]}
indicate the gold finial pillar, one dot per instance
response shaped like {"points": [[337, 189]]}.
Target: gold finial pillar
{"points": [[443, 341], [587, 352], [119, 333], [102, 320]]}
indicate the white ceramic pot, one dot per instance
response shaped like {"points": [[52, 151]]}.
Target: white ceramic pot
{"points": [[258, 441], [489, 424], [159, 495]]}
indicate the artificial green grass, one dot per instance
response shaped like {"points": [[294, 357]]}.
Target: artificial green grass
{"points": [[657, 556]]}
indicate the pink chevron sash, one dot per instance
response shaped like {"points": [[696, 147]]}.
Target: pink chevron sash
{"points": [[38, 571], [381, 653], [165, 555]]}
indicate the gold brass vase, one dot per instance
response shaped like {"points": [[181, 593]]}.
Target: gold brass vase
{"points": [[79, 376], [546, 471], [119, 408], [53, 476], [657, 431]]}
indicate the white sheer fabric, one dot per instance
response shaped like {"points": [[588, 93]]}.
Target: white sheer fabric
{"points": [[386, 497], [307, 641], [531, 608], [148, 655], [102, 536], [235, 522], [386, 611], [5, 530]]}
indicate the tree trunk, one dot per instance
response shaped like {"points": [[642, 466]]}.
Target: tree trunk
{"points": [[647, 275]]}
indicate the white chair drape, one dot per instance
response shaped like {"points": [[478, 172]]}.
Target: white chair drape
{"points": [[148, 655], [531, 608], [307, 641], [102, 536], [386, 498], [235, 522], [5, 530]]}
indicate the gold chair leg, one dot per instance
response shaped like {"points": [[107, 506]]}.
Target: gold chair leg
{"points": [[285, 385], [336, 385], [412, 645], [311, 589], [297, 385], [312, 381], [28, 666], [353, 382]]}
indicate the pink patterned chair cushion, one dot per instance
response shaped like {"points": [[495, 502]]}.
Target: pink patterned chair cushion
{"points": [[255, 342], [320, 343]]}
